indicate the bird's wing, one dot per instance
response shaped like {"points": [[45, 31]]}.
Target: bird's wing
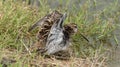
{"points": [[38, 23], [55, 37]]}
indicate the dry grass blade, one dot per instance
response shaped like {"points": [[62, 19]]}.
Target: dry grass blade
{"points": [[26, 47]]}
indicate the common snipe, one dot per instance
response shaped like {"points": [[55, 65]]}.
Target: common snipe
{"points": [[53, 35]]}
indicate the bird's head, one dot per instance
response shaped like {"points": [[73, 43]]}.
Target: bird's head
{"points": [[71, 28]]}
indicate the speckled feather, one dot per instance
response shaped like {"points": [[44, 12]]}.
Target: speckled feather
{"points": [[45, 26]]}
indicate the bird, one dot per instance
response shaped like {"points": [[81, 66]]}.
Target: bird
{"points": [[46, 25], [58, 38]]}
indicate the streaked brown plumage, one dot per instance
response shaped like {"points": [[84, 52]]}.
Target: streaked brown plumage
{"points": [[45, 28], [45, 25]]}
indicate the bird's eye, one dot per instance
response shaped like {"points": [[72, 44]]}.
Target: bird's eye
{"points": [[75, 26]]}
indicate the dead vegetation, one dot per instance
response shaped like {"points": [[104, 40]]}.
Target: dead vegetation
{"points": [[14, 58]]}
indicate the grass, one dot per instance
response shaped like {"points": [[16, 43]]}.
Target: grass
{"points": [[97, 26]]}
